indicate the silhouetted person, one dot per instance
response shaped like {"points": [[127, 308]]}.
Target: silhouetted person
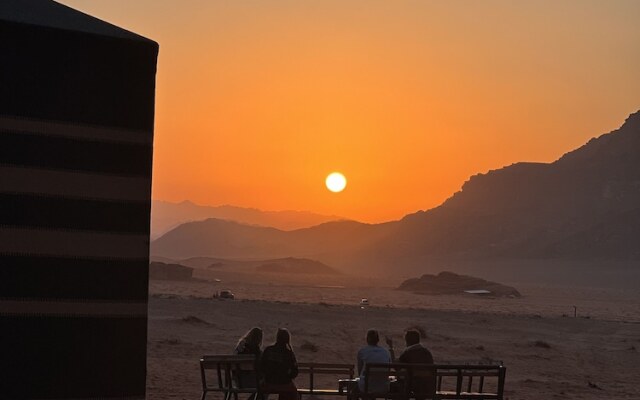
{"points": [[372, 353], [279, 366], [415, 353], [249, 344]]}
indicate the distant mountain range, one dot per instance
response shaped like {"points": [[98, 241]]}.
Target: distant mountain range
{"points": [[166, 216], [288, 265], [584, 206], [230, 239]]}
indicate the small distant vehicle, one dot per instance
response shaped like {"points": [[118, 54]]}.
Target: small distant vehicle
{"points": [[226, 294], [478, 291], [364, 303]]}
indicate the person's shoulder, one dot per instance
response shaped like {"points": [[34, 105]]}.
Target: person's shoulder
{"points": [[414, 348], [425, 348], [379, 349], [424, 354], [375, 351]]}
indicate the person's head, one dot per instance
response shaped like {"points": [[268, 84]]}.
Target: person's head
{"points": [[373, 337], [283, 337], [412, 337], [254, 337]]}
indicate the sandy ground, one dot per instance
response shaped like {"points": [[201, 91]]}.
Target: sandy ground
{"points": [[548, 353]]}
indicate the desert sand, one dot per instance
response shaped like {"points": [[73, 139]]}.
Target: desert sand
{"points": [[548, 352]]}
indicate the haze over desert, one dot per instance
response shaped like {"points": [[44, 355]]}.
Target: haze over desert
{"points": [[548, 352]]}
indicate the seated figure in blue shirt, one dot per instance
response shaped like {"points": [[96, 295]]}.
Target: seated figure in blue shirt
{"points": [[372, 353]]}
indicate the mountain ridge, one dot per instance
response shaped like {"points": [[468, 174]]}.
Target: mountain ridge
{"points": [[585, 204], [168, 215]]}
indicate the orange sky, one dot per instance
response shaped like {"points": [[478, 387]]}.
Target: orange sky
{"points": [[257, 101]]}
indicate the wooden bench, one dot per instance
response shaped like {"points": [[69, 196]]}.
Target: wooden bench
{"points": [[221, 373], [402, 381], [228, 369], [489, 382], [344, 371], [482, 382]]}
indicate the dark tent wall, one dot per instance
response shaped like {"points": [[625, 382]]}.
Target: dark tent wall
{"points": [[76, 142]]}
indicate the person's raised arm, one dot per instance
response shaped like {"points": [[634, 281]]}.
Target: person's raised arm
{"points": [[391, 352]]}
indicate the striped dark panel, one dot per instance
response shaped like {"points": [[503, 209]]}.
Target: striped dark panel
{"points": [[74, 184], [76, 134], [77, 77], [60, 213], [17, 148], [73, 278], [57, 357]]}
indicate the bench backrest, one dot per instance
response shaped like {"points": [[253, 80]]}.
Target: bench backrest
{"points": [[232, 373], [237, 373], [439, 381], [482, 381], [335, 369], [412, 380]]}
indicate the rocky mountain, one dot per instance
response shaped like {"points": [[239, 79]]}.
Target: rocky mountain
{"points": [[451, 283], [166, 216], [585, 205], [164, 271]]}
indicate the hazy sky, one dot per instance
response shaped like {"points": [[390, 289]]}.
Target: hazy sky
{"points": [[257, 101]]}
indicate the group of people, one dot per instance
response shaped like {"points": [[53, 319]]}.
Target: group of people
{"points": [[278, 366], [277, 363], [414, 353]]}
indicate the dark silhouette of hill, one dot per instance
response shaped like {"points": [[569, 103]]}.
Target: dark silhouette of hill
{"points": [[288, 265], [450, 283], [229, 239], [584, 206], [169, 271], [166, 216]]}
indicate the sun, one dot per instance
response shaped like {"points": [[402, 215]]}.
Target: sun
{"points": [[336, 182]]}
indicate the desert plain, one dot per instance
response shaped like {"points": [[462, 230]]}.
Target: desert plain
{"points": [[549, 353]]}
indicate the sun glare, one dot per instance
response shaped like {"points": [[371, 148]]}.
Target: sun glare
{"points": [[336, 182]]}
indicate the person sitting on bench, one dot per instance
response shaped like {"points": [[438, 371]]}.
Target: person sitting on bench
{"points": [[372, 353], [249, 344], [279, 366], [415, 353]]}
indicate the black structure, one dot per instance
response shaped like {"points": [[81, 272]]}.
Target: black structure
{"points": [[76, 143]]}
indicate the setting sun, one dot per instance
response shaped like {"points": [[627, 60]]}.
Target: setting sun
{"points": [[336, 182]]}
